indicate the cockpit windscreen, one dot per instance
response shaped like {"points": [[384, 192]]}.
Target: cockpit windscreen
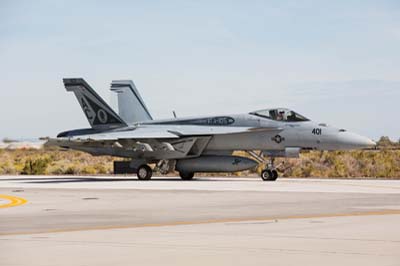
{"points": [[284, 115]]}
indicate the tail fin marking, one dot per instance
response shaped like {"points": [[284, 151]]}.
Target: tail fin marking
{"points": [[97, 111]]}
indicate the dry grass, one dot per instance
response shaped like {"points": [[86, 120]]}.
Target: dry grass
{"points": [[370, 164], [54, 162], [383, 163]]}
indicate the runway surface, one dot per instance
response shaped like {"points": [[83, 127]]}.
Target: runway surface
{"points": [[225, 221]]}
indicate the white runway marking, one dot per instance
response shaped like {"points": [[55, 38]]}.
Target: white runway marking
{"points": [[206, 184]]}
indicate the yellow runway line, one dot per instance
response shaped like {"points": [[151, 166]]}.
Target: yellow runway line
{"points": [[14, 201]]}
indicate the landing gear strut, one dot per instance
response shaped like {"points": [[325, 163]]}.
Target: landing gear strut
{"points": [[144, 172]]}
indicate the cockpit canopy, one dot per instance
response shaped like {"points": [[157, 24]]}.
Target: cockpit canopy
{"points": [[280, 114]]}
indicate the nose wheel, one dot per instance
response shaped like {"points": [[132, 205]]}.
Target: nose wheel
{"points": [[269, 175]]}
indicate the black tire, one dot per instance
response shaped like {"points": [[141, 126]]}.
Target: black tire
{"points": [[275, 175], [186, 176], [144, 172], [268, 175], [265, 175]]}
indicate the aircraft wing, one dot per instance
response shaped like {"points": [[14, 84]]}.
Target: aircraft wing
{"points": [[167, 132], [159, 142]]}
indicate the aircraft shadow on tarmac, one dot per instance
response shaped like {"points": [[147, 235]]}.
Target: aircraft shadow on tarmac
{"points": [[79, 179]]}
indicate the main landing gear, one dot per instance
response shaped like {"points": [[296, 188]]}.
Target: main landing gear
{"points": [[144, 172]]}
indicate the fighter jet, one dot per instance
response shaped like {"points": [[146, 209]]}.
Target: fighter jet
{"points": [[195, 144]]}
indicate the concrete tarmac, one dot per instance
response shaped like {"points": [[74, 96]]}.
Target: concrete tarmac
{"points": [[226, 221]]}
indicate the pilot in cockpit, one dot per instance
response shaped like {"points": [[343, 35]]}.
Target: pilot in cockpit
{"points": [[283, 115], [280, 116]]}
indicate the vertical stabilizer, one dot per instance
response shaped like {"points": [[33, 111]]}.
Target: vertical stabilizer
{"points": [[130, 104], [97, 111]]}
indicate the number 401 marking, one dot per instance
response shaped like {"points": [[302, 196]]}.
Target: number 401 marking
{"points": [[317, 131]]}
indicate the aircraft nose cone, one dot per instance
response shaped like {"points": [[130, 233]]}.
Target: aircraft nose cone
{"points": [[355, 141]]}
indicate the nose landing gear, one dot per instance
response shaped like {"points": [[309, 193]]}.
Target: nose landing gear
{"points": [[270, 173]]}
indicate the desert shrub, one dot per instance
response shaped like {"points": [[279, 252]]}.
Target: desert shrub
{"points": [[6, 168], [70, 170], [102, 169], [89, 170], [35, 166]]}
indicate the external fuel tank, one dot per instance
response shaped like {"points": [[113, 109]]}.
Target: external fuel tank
{"points": [[215, 163]]}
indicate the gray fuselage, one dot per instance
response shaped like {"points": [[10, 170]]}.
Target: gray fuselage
{"points": [[300, 134]]}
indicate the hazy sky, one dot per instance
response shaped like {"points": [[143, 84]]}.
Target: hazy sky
{"points": [[333, 61]]}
